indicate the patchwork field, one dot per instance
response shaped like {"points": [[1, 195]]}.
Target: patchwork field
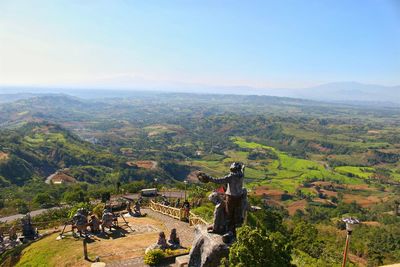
{"points": [[273, 174]]}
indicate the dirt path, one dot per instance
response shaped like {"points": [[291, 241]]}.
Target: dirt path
{"points": [[185, 233]]}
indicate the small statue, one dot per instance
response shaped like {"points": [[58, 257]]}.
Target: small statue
{"points": [[174, 242], [136, 210], [107, 219], [80, 221], [13, 233], [234, 193], [27, 229], [94, 224], [220, 219]]}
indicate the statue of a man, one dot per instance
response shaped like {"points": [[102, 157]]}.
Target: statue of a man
{"points": [[107, 219], [234, 193], [80, 221], [27, 228]]}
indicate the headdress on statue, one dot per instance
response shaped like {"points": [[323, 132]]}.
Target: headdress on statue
{"points": [[236, 167]]}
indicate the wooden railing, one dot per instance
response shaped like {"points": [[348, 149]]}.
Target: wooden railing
{"points": [[177, 213], [194, 219]]}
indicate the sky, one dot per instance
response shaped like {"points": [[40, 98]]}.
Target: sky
{"points": [[121, 43]]}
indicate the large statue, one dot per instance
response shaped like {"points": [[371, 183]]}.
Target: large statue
{"points": [[234, 193], [80, 221], [219, 225]]}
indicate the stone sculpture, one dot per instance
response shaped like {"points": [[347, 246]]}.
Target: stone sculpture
{"points": [[234, 193]]}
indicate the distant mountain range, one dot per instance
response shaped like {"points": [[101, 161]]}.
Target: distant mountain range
{"points": [[343, 92]]}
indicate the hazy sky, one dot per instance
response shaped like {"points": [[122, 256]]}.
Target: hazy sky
{"points": [[216, 42]]}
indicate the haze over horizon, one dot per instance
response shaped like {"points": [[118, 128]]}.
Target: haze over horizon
{"points": [[283, 44]]}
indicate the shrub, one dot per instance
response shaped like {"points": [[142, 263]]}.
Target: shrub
{"points": [[257, 248], [154, 257], [98, 209]]}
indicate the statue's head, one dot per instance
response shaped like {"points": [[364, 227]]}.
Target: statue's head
{"points": [[236, 167]]}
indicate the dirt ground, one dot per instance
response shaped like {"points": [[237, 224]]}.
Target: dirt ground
{"points": [[297, 205], [124, 243], [270, 193], [362, 200], [145, 164]]}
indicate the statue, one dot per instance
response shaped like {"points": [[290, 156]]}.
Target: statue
{"points": [[94, 224], [80, 221], [107, 219], [234, 193], [28, 231], [136, 210], [219, 225], [173, 241], [13, 233]]}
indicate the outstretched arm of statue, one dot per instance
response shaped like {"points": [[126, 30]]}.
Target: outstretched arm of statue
{"points": [[222, 180]]}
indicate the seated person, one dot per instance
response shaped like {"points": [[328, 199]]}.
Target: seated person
{"points": [[162, 242], [174, 242]]}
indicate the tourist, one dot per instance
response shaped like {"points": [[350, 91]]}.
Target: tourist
{"points": [[174, 242], [162, 242]]}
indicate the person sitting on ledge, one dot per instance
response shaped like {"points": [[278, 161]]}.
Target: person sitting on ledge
{"points": [[162, 242], [174, 242]]}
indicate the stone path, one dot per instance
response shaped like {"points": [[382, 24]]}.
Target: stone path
{"points": [[185, 233]]}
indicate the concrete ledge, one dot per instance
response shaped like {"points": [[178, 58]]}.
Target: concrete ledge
{"points": [[182, 261]]}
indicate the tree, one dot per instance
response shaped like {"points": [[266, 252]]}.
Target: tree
{"points": [[255, 247], [305, 238], [21, 206], [72, 197], [43, 200]]}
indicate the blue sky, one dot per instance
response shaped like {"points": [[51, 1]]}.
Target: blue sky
{"points": [[212, 42]]}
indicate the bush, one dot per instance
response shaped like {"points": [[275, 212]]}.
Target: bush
{"points": [[98, 209], [154, 257], [255, 247]]}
